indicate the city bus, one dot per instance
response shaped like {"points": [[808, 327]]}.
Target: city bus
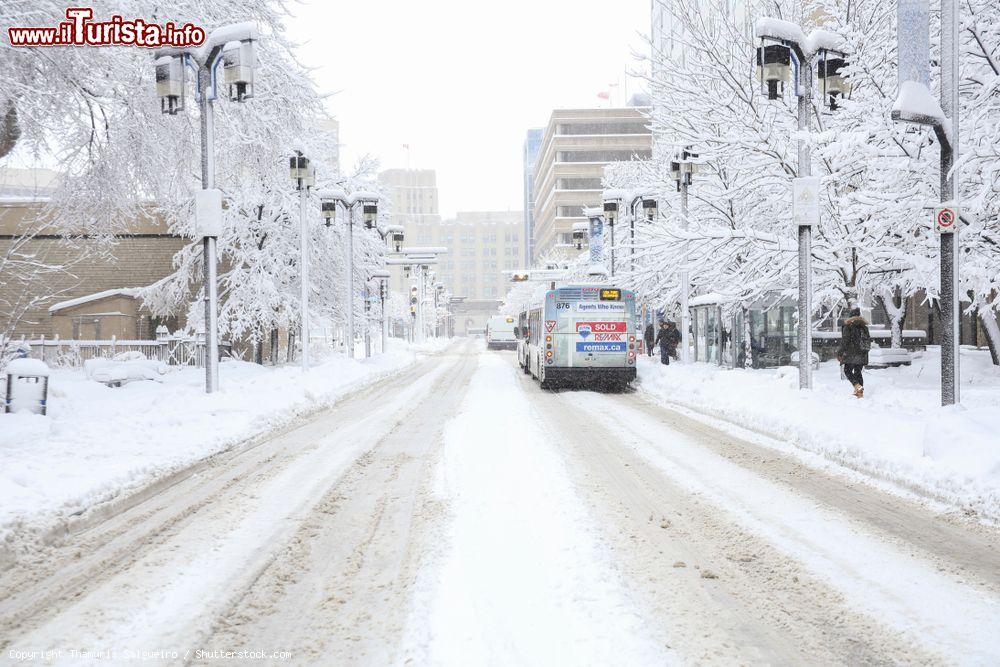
{"points": [[500, 333], [579, 334]]}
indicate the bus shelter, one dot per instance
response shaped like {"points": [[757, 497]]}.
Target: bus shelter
{"points": [[721, 329]]}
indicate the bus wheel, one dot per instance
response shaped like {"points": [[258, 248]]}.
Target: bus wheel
{"points": [[545, 384]]}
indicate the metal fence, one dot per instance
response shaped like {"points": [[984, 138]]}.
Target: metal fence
{"points": [[173, 350]]}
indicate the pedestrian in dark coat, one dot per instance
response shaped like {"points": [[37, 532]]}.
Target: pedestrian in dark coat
{"points": [[668, 338], [650, 337], [855, 342]]}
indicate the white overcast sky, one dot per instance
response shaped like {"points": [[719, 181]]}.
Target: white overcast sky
{"points": [[461, 81]]}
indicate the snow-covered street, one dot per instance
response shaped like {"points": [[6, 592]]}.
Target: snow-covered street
{"points": [[454, 513], [376, 333]]}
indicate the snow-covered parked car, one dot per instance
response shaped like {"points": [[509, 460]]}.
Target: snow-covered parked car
{"points": [[122, 368], [883, 357]]}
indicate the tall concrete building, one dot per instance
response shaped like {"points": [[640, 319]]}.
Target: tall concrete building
{"points": [[576, 146], [413, 198], [481, 244], [532, 142]]}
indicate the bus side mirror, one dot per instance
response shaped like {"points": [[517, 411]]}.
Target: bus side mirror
{"points": [[517, 333]]}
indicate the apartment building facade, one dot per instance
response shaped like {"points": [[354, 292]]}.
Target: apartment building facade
{"points": [[576, 146], [482, 245], [413, 204]]}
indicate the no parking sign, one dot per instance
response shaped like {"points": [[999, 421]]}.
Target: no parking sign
{"points": [[945, 219]]}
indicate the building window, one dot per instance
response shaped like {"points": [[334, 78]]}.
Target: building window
{"points": [[614, 127], [579, 184], [569, 212], [603, 156]]}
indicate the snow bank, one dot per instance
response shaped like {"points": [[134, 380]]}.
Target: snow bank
{"points": [[898, 433], [99, 443]]}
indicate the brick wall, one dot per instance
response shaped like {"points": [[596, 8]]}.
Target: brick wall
{"points": [[136, 261]]}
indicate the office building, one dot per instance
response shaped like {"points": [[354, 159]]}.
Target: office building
{"points": [[481, 244], [532, 142], [576, 146], [413, 203]]}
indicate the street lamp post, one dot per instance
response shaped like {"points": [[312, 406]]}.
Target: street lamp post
{"points": [[787, 50], [613, 203], [393, 235], [330, 199], [419, 260], [382, 277], [914, 77], [304, 176], [438, 291], [682, 170], [234, 47]]}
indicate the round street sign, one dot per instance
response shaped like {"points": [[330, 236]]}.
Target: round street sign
{"points": [[945, 220]]}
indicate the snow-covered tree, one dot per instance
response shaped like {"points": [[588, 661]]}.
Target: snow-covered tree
{"points": [[94, 112], [873, 239]]}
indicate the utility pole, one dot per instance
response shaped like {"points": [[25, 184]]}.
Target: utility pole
{"points": [[350, 281], [304, 254], [304, 176], [421, 288], [383, 288], [914, 76], [232, 47], [209, 243], [368, 337], [950, 371], [682, 170], [804, 85], [684, 277], [789, 46]]}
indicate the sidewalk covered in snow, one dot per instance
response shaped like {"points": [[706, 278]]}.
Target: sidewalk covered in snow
{"points": [[898, 433]]}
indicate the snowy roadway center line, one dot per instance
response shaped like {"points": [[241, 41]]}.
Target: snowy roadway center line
{"points": [[172, 594], [520, 578], [902, 590]]}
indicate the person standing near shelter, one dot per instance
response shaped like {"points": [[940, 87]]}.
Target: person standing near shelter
{"points": [[668, 337], [650, 337], [855, 342]]}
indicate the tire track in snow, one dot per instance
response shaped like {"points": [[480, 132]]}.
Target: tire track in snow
{"points": [[901, 589], [521, 577]]}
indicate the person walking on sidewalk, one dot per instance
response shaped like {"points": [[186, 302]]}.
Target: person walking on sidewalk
{"points": [[855, 342], [650, 337], [667, 338]]}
